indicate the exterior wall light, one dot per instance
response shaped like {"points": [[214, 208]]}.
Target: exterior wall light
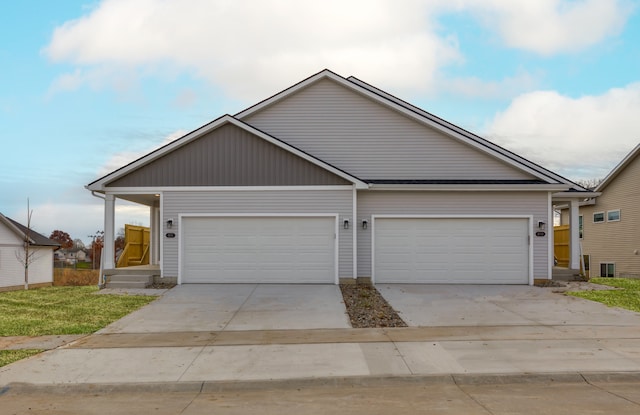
{"points": [[541, 225], [345, 224], [170, 223], [365, 224]]}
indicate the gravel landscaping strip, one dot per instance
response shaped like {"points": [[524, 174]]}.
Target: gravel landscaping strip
{"points": [[367, 308]]}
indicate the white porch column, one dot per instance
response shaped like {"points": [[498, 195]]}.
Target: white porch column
{"points": [[109, 231], [154, 240], [574, 244]]}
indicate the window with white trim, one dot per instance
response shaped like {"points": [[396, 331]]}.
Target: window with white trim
{"points": [[598, 217], [613, 215], [607, 269]]}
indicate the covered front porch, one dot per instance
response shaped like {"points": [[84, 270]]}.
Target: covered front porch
{"points": [[567, 251], [138, 270]]}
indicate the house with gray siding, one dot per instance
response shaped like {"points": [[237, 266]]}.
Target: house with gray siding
{"points": [[333, 179]]}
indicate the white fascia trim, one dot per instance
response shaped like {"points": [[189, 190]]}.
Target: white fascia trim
{"points": [[528, 217], [100, 184], [154, 190], [409, 216], [550, 239], [471, 187], [573, 195], [259, 215], [161, 236], [336, 244], [354, 255]]}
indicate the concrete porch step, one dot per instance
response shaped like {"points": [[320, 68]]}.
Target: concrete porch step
{"points": [[565, 274], [129, 281], [143, 270]]}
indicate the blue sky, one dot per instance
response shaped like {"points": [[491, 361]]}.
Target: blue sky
{"points": [[89, 86]]}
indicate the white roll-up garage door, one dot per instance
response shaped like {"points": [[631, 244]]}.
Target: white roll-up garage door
{"points": [[451, 250], [258, 250]]}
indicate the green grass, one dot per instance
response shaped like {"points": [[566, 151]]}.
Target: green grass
{"points": [[62, 310], [628, 296], [10, 356]]}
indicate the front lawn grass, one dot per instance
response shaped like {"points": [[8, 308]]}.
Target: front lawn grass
{"points": [[62, 310], [10, 356], [628, 296]]}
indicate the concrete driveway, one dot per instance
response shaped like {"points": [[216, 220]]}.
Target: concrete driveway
{"points": [[199, 335], [498, 305], [228, 307]]}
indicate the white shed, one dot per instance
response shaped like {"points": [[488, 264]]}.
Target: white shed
{"points": [[12, 238]]}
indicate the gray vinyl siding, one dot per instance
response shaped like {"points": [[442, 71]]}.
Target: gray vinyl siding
{"points": [[615, 242], [267, 202], [452, 203], [372, 141], [228, 156]]}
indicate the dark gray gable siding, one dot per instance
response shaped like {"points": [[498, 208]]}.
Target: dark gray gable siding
{"points": [[229, 156]]}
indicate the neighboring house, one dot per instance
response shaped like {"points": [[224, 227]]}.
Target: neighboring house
{"points": [[12, 239], [611, 222], [71, 255], [335, 179]]}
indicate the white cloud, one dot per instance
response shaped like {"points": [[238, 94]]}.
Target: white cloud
{"points": [[549, 27], [474, 87], [580, 137], [252, 48], [123, 158]]}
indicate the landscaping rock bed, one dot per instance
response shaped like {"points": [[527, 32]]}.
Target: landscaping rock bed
{"points": [[367, 308]]}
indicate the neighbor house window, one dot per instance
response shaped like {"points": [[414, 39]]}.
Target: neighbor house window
{"points": [[613, 215], [607, 269], [598, 217], [580, 226]]}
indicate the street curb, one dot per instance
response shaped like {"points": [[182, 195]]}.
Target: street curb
{"points": [[337, 382]]}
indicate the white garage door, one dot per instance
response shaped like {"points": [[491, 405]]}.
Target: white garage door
{"points": [[451, 250], [258, 250]]}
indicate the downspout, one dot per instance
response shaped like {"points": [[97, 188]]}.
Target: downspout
{"points": [[101, 278]]}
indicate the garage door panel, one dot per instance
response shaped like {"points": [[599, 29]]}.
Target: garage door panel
{"points": [[451, 250], [258, 249]]}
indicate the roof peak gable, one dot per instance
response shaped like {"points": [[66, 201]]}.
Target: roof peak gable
{"points": [[420, 115], [101, 183]]}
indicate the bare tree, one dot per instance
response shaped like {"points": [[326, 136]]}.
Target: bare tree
{"points": [[26, 256], [589, 184]]}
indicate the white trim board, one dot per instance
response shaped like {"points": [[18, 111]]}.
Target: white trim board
{"points": [[154, 190]]}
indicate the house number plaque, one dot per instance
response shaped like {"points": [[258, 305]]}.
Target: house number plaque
{"points": [[170, 235], [540, 233]]}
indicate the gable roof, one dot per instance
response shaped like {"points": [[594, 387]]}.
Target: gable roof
{"points": [[619, 168], [35, 238], [101, 183], [415, 113]]}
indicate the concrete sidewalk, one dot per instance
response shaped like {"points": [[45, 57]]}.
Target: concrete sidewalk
{"points": [[331, 353]]}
